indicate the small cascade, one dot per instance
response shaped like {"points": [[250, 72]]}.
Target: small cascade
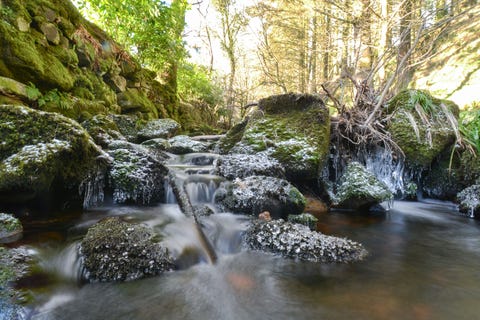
{"points": [[92, 188]]}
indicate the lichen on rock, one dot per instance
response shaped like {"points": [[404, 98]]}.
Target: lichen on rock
{"points": [[160, 128], [114, 250], [360, 189], [255, 194], [297, 241], [234, 166]]}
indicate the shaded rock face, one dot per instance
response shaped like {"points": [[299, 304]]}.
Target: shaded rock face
{"points": [[136, 177], [421, 126], [184, 144], [241, 165], [359, 189], [43, 152], [292, 128], [114, 250], [253, 195], [297, 241], [71, 66], [10, 228], [469, 201], [103, 130]]}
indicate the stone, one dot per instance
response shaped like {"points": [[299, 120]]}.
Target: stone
{"points": [[11, 228], [296, 241], [292, 128], [22, 24], [160, 128], [241, 165], [469, 201], [359, 189], [114, 250], [10, 87], [136, 177], [255, 194], [51, 32], [42, 153], [305, 219], [103, 130], [159, 144], [184, 144]]}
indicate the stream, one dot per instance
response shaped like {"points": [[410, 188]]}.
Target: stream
{"points": [[423, 264]]}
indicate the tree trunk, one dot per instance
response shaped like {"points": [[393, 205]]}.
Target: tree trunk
{"points": [[406, 22]]}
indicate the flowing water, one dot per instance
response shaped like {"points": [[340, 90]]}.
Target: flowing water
{"points": [[423, 264]]}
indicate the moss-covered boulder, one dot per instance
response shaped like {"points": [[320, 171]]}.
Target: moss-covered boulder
{"points": [[114, 250], [136, 176], [469, 201], [296, 241], [421, 125], [305, 219], [360, 189], [10, 228], [292, 128], [242, 165], [42, 153], [253, 195], [157, 144], [161, 128]]}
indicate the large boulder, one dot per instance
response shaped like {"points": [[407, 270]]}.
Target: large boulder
{"points": [[421, 125], [253, 195], [242, 165], [114, 250], [43, 152], [292, 128], [136, 176], [360, 189], [297, 241], [469, 201]]}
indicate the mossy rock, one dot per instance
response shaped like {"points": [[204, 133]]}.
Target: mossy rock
{"points": [[114, 250], [184, 144], [469, 201], [160, 128], [359, 189], [10, 228], [134, 100], [294, 129], [10, 87], [255, 194], [420, 126], [40, 148], [103, 130]]}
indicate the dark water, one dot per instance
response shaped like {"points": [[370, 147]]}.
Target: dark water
{"points": [[423, 264]]}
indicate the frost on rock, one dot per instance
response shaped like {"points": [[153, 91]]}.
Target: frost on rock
{"points": [[114, 250], [253, 195], [241, 166], [160, 128], [360, 189], [184, 144], [136, 177], [10, 228], [469, 201], [297, 241]]}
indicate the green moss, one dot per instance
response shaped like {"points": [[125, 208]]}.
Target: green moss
{"points": [[233, 136], [9, 223], [134, 100]]}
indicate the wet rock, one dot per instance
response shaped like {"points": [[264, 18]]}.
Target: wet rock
{"points": [[469, 201], [242, 165], [292, 128], [253, 195], [297, 241], [10, 228], [43, 152], [161, 128], [305, 219], [103, 130], [184, 144], [157, 144], [136, 177], [359, 189], [114, 250]]}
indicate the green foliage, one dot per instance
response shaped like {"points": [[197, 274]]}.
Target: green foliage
{"points": [[150, 29], [32, 92], [194, 83], [56, 97], [469, 126]]}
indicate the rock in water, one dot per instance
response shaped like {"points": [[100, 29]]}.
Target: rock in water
{"points": [[256, 194], [242, 165], [297, 241], [184, 144], [360, 189], [469, 199], [114, 250], [10, 228]]}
